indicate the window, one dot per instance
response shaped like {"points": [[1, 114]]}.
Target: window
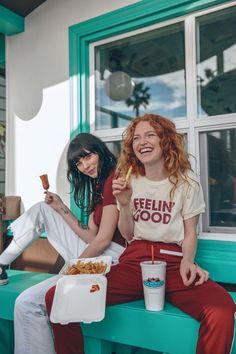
{"points": [[220, 163], [114, 147], [216, 80], [141, 73], [216, 63]]}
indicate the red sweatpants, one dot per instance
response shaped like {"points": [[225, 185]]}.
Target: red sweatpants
{"points": [[209, 303]]}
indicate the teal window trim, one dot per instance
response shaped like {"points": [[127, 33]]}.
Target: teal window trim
{"points": [[2, 51], [10, 22], [216, 256]]}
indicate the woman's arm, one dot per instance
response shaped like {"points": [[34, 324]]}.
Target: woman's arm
{"points": [[122, 191], [126, 223], [188, 269], [105, 232], [87, 235]]}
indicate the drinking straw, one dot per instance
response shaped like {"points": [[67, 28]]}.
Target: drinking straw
{"points": [[152, 249]]}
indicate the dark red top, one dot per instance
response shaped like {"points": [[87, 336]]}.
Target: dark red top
{"points": [[107, 199]]}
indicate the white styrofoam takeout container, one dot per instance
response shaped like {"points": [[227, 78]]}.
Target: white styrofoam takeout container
{"points": [[80, 297]]}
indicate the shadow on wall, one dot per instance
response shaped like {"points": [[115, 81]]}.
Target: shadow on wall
{"points": [[38, 57], [62, 185], [27, 86]]}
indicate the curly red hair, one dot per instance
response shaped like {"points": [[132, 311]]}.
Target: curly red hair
{"points": [[176, 159]]}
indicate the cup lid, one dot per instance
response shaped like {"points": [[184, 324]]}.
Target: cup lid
{"points": [[151, 264]]}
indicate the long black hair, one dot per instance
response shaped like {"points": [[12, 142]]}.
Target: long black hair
{"points": [[87, 191]]}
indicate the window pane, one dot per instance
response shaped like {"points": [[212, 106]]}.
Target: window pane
{"points": [[216, 63], [222, 177], [114, 147], [138, 74]]}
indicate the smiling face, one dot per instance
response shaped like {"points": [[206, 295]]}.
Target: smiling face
{"points": [[89, 165], [146, 144]]}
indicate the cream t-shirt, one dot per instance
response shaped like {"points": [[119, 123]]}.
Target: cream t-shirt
{"points": [[156, 216]]}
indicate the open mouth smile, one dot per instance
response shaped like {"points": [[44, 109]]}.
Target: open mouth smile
{"points": [[145, 150]]}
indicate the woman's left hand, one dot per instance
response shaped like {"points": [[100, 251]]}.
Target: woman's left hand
{"points": [[189, 271]]}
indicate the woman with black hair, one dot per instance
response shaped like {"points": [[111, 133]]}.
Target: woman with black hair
{"points": [[90, 172]]}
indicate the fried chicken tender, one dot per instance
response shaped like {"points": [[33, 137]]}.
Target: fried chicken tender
{"points": [[45, 182]]}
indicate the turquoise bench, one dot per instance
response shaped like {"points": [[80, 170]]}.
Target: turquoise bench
{"points": [[126, 327], [168, 331], [129, 325], [18, 282]]}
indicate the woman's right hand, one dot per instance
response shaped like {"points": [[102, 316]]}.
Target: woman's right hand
{"points": [[53, 200], [122, 191]]}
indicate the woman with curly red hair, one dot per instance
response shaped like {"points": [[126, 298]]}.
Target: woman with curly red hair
{"points": [[159, 209]]}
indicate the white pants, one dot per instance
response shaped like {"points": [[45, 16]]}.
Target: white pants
{"points": [[31, 327], [32, 332]]}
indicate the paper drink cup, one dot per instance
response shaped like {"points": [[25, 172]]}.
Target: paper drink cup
{"points": [[154, 279]]}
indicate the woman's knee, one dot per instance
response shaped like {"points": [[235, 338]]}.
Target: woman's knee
{"points": [[23, 303], [46, 210], [44, 206], [36, 206], [226, 313], [221, 315]]}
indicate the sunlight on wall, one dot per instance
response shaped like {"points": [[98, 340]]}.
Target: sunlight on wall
{"points": [[40, 146]]}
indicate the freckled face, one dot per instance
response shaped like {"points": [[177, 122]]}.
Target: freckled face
{"points": [[89, 165], [146, 144]]}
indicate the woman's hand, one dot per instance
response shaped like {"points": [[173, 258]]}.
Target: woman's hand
{"points": [[53, 200], [122, 191], [189, 271]]}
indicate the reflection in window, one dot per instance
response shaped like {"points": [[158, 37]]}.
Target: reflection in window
{"points": [[222, 177], [140, 74], [114, 147], [216, 63]]}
